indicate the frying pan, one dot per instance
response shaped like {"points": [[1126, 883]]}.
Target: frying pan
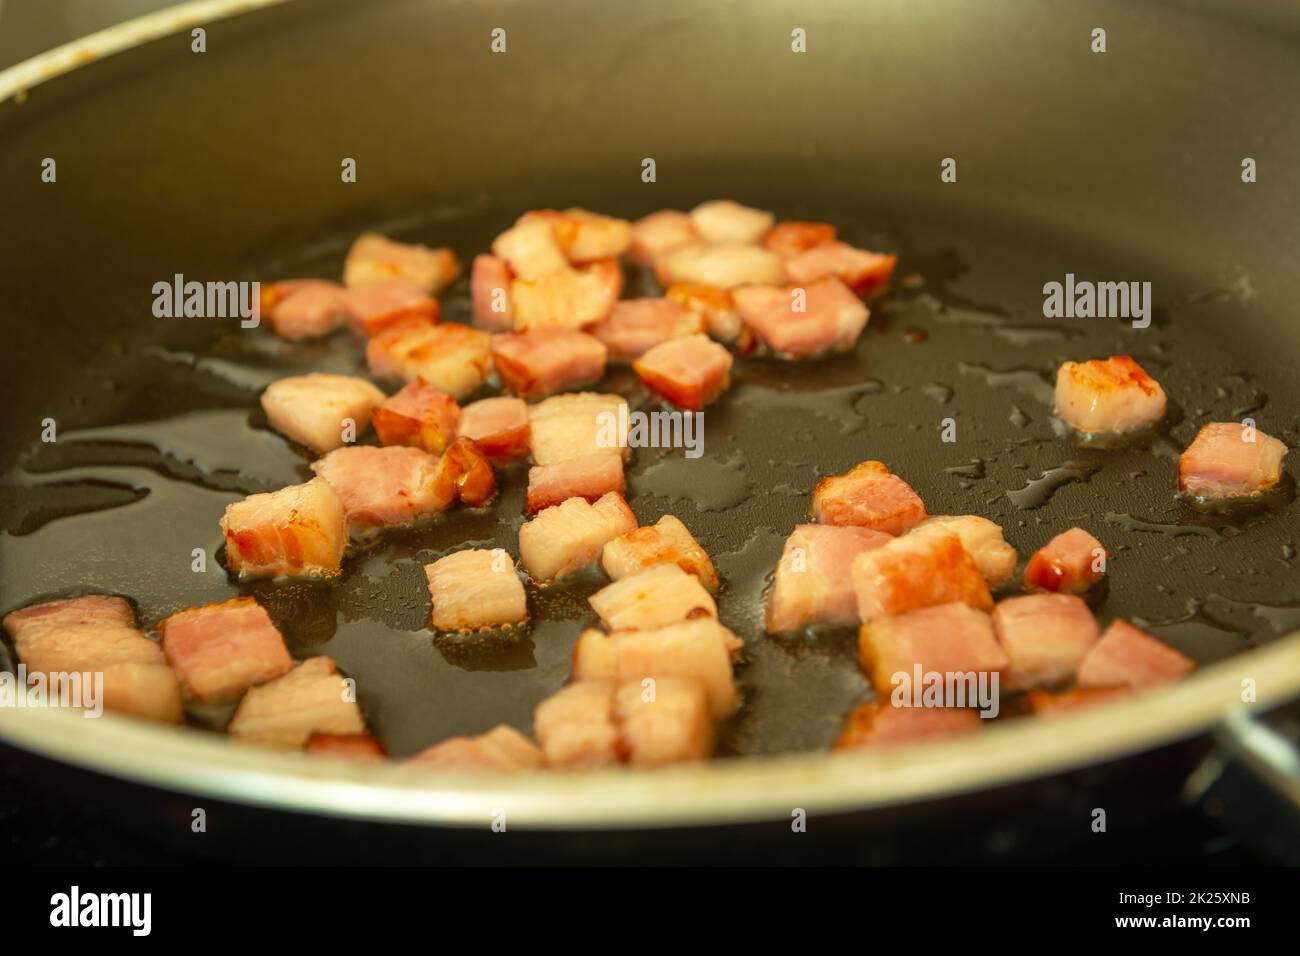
{"points": [[1122, 165]]}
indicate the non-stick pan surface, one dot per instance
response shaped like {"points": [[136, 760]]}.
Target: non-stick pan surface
{"points": [[225, 165]]}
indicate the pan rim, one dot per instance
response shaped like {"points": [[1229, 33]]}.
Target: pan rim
{"points": [[729, 791]]}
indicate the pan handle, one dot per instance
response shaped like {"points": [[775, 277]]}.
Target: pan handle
{"points": [[1250, 782]]}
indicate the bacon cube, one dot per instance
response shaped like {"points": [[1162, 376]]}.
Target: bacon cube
{"points": [[689, 372], [380, 305], [465, 473], [533, 365], [1229, 460], [813, 583], [375, 258], [218, 651], [659, 232], [917, 571], [1126, 656], [725, 221], [498, 426], [452, 357], [668, 722], [788, 239], [723, 266], [475, 588], [490, 294], [583, 236], [868, 496], [943, 639], [1045, 635], [297, 531], [714, 307], [831, 319], [668, 541], [1107, 396], [351, 746], [661, 594], [566, 300], [637, 325], [982, 540], [319, 409], [878, 723], [502, 749], [700, 648], [387, 351], [863, 272], [575, 726], [303, 308], [588, 476], [566, 538], [284, 713], [1071, 562], [419, 415], [99, 610], [577, 425], [530, 250], [383, 488]]}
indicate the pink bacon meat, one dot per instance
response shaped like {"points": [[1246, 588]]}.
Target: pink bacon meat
{"points": [[1045, 635], [863, 272], [381, 305], [385, 487], [831, 320], [658, 233], [945, 639], [489, 286], [1126, 656], [689, 372], [661, 594], [420, 415], [982, 540], [667, 541], [584, 237], [813, 582], [499, 426], [576, 729], [566, 300], [917, 571], [878, 723], [790, 238], [1111, 395], [635, 326], [320, 410], [300, 309], [723, 220], [566, 538], [1230, 460], [500, 750], [716, 310], [533, 365], [1071, 562], [576, 425], [588, 476], [868, 496], [725, 265], [297, 531], [375, 258], [475, 588], [350, 746], [284, 713], [218, 651]]}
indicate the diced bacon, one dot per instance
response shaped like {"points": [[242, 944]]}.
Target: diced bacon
{"points": [[386, 352], [661, 594], [637, 325], [585, 236], [724, 266], [576, 425], [566, 300], [944, 639], [813, 583], [490, 293], [310, 699], [725, 221], [317, 409], [1045, 635], [533, 365], [575, 726], [385, 487], [1229, 460], [303, 308], [862, 271], [419, 415], [868, 496], [381, 305], [375, 258], [1107, 396], [668, 541], [529, 248], [1071, 562], [787, 239], [297, 531], [982, 540], [878, 723], [96, 634], [218, 651], [831, 320], [502, 749], [568, 537], [713, 306], [467, 472], [689, 372], [475, 588], [1126, 656], [674, 725], [917, 571], [498, 426], [589, 476], [699, 648], [452, 357], [659, 232], [1054, 703], [351, 746]]}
